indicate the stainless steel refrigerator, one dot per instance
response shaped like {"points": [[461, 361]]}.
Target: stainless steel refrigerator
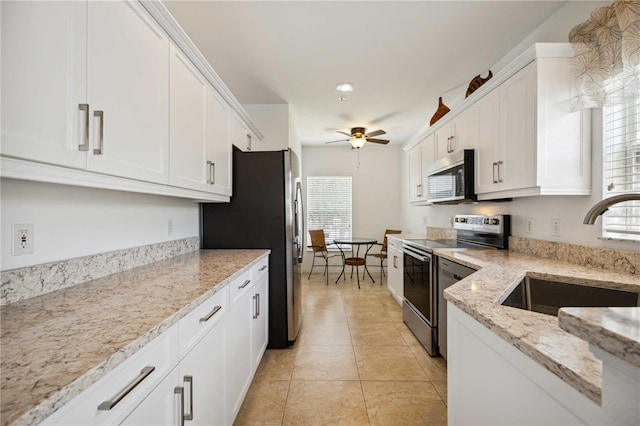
{"points": [[265, 212]]}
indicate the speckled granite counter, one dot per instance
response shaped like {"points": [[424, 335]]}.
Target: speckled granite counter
{"points": [[538, 336], [615, 330], [56, 345]]}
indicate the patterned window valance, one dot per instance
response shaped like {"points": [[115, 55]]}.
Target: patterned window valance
{"points": [[606, 63]]}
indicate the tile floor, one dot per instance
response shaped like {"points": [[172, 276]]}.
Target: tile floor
{"points": [[355, 363]]}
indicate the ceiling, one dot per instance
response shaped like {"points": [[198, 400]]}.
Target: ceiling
{"points": [[400, 55]]}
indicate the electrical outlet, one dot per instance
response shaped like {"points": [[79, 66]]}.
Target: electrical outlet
{"points": [[529, 226], [169, 226], [556, 229], [22, 238]]}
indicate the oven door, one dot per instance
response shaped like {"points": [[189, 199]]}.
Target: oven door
{"points": [[418, 284]]}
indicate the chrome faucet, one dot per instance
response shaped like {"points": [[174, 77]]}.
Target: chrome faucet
{"points": [[603, 205]]}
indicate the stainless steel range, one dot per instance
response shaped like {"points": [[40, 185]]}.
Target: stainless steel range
{"points": [[420, 309]]}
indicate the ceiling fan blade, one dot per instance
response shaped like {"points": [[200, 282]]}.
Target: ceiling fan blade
{"points": [[381, 141], [375, 133], [341, 140], [343, 133]]}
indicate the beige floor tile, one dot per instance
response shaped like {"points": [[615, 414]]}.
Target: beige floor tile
{"points": [[375, 334], [325, 363], [264, 403], [396, 315], [407, 335], [403, 403], [277, 364], [434, 367], [324, 316], [324, 334], [441, 388], [387, 363], [374, 316], [325, 403]]}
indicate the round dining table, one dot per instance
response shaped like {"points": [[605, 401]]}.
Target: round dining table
{"points": [[355, 259]]}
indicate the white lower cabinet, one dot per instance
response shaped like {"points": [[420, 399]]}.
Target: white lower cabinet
{"points": [[196, 373], [395, 269]]}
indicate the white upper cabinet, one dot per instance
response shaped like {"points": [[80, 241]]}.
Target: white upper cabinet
{"points": [[218, 143], [416, 188], [457, 134], [240, 135], [44, 82], [128, 71]]}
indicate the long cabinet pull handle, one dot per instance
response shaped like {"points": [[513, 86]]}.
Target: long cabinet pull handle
{"points": [[494, 172], [255, 306], [207, 317], [451, 144], [85, 145], [248, 142], [109, 404], [258, 303], [100, 115], [263, 268], [246, 283], [213, 173], [395, 258], [499, 167], [180, 391], [189, 380]]}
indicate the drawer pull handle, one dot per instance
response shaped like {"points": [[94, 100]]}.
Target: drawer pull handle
{"points": [[255, 306], [109, 404], [210, 314], [180, 391], [263, 268], [246, 283], [100, 115], [85, 145], [189, 380]]}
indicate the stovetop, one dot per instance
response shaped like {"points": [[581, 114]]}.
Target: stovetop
{"points": [[429, 245]]}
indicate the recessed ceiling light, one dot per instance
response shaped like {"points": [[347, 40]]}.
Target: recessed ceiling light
{"points": [[345, 87]]}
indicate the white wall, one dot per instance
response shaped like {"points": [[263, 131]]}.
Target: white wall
{"points": [[570, 209], [74, 221], [376, 198]]}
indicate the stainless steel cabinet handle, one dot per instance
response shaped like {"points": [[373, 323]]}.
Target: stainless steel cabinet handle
{"points": [[248, 142], [499, 177], [85, 145], [180, 391], [494, 172], [100, 115], [419, 190], [210, 314], [246, 283], [212, 172], [255, 304], [452, 140], [258, 303], [395, 259], [109, 404], [189, 380], [263, 268]]}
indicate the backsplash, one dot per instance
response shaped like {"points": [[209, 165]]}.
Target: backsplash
{"points": [[622, 261], [434, 233], [23, 283]]}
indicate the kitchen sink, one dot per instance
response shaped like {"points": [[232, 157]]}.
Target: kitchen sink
{"points": [[547, 297]]}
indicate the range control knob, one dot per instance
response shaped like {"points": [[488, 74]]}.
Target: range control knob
{"points": [[462, 219], [486, 221], [495, 221]]}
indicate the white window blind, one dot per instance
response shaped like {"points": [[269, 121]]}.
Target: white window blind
{"points": [[621, 168], [329, 206]]}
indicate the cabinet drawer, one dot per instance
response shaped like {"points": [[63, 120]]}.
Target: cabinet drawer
{"points": [[161, 354], [393, 243], [198, 323], [240, 286], [260, 269]]}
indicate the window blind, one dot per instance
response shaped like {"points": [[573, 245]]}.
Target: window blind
{"points": [[621, 168], [329, 206]]}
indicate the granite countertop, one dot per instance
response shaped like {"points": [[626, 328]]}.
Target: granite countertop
{"points": [[537, 335], [94, 326]]}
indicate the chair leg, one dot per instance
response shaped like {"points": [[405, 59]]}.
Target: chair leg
{"points": [[312, 263], [357, 276], [326, 269], [381, 271]]}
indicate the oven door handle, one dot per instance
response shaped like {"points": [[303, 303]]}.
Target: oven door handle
{"points": [[425, 258]]}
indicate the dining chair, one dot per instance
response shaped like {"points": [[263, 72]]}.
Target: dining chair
{"points": [[382, 255], [319, 247]]}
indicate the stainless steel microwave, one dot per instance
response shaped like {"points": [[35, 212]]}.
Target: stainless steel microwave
{"points": [[450, 180]]}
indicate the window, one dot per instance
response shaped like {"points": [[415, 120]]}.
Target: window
{"points": [[621, 168], [329, 205]]}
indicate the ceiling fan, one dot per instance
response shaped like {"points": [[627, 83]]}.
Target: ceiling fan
{"points": [[358, 137]]}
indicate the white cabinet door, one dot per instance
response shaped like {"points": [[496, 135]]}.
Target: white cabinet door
{"points": [[443, 138], [238, 353], [240, 136], [428, 156], [44, 82], [395, 273], [202, 373], [161, 407], [260, 323], [415, 174], [487, 150], [465, 132], [128, 74], [187, 147], [517, 131], [218, 143]]}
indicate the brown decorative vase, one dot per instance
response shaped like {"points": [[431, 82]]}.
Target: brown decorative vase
{"points": [[440, 112], [476, 82]]}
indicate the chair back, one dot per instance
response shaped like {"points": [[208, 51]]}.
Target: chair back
{"points": [[318, 242], [384, 240]]}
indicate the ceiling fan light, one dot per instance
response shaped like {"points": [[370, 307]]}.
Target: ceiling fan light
{"points": [[358, 142], [345, 87]]}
